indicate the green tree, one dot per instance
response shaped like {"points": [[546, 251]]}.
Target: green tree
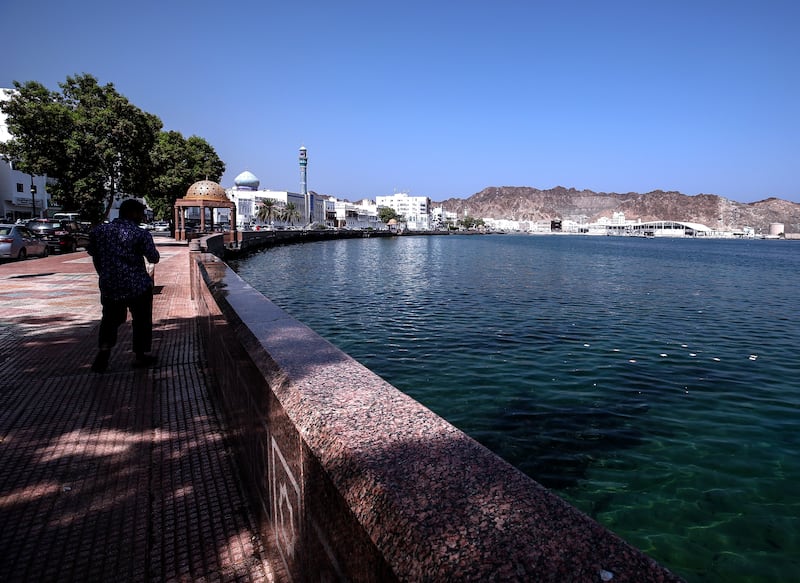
{"points": [[89, 137], [386, 214], [267, 211], [471, 222], [177, 164], [40, 126]]}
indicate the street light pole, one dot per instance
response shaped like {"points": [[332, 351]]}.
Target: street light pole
{"points": [[33, 198]]}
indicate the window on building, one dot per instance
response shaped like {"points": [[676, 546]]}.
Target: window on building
{"points": [[20, 187]]}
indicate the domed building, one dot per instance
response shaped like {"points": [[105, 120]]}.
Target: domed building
{"points": [[202, 195], [248, 198], [246, 181]]}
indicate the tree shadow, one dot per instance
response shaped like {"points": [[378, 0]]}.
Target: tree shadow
{"points": [[122, 476]]}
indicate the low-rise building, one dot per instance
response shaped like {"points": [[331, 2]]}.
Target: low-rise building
{"points": [[442, 219], [505, 225], [415, 210], [359, 215]]}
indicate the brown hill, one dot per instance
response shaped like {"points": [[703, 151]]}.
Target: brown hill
{"points": [[522, 203]]}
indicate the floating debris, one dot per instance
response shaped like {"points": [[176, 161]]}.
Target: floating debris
{"points": [[753, 356]]}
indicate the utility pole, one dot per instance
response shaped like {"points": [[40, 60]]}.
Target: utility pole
{"points": [[33, 198]]}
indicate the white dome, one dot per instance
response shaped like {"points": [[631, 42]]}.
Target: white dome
{"points": [[247, 180]]}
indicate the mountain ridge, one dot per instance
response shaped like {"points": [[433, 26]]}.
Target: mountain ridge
{"points": [[525, 203]]}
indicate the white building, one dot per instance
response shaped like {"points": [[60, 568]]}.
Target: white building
{"points": [[416, 210], [506, 225], [16, 199], [358, 215], [440, 218], [249, 198], [619, 225]]}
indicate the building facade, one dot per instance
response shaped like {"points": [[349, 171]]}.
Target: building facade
{"points": [[358, 215], [443, 219], [416, 210], [249, 198]]}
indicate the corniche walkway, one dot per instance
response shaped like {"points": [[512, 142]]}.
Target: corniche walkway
{"points": [[122, 476]]}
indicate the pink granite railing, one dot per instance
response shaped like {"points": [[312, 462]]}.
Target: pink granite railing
{"points": [[356, 481]]}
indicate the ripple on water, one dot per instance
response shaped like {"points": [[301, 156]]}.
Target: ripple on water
{"points": [[650, 383]]}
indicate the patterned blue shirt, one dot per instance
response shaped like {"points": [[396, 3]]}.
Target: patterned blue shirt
{"points": [[118, 250]]}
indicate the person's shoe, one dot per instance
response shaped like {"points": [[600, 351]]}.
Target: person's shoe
{"points": [[100, 363], [144, 360]]}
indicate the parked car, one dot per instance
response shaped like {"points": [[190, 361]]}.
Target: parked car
{"points": [[63, 236], [18, 242], [67, 216]]}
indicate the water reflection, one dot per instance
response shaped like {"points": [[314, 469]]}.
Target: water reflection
{"points": [[637, 378]]}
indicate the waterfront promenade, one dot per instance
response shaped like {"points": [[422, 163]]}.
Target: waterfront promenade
{"points": [[123, 476], [128, 476]]}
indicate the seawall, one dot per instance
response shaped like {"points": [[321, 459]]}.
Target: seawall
{"points": [[356, 481], [249, 241]]}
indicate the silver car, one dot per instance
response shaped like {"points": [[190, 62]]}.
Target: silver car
{"points": [[18, 242]]}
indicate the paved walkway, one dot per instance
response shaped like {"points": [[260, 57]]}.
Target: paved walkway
{"points": [[122, 476]]}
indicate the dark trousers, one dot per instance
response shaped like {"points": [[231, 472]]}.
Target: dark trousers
{"points": [[116, 312]]}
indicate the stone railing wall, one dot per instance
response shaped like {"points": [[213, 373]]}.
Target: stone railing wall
{"points": [[355, 481]]}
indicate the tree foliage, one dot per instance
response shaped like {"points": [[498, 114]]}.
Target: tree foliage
{"points": [[290, 213], [88, 136], [386, 214], [267, 211], [471, 222], [177, 164], [98, 146], [40, 126]]}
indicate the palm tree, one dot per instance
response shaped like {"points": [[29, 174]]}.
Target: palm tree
{"points": [[266, 211], [290, 213]]}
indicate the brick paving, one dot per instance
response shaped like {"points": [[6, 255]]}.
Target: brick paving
{"points": [[122, 476]]}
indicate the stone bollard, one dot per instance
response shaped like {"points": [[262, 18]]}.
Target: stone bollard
{"points": [[194, 255]]}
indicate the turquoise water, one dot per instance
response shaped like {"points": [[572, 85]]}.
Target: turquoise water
{"points": [[652, 383]]}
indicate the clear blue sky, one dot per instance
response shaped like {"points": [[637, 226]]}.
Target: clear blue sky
{"points": [[444, 99]]}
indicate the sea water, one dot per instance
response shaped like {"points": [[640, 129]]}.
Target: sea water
{"points": [[652, 383]]}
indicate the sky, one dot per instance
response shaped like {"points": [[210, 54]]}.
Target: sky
{"points": [[445, 99]]}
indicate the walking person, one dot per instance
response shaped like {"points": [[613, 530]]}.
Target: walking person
{"points": [[118, 251]]}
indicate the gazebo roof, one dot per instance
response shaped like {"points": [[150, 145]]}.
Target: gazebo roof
{"points": [[205, 193], [206, 190]]}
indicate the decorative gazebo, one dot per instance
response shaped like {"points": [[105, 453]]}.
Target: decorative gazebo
{"points": [[203, 194]]}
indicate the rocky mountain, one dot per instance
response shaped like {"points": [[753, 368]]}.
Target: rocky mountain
{"points": [[524, 203]]}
